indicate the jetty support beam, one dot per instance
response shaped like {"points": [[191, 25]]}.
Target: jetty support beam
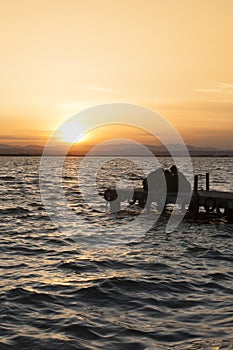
{"points": [[115, 206], [207, 176], [195, 183], [230, 216]]}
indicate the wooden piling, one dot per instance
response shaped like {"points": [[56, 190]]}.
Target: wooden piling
{"points": [[195, 183], [230, 216], [207, 176], [115, 206]]}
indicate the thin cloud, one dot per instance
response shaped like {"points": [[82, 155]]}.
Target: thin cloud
{"points": [[21, 138], [217, 88]]}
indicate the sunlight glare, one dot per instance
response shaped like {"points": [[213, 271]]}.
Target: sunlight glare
{"points": [[72, 133]]}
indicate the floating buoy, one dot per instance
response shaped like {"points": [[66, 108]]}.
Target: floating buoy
{"points": [[110, 194]]}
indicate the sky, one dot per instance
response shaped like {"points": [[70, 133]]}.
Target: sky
{"points": [[61, 57]]}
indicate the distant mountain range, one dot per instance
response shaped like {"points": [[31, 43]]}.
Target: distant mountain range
{"points": [[116, 150], [31, 150]]}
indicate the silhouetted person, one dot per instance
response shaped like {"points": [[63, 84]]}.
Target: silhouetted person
{"points": [[153, 181], [171, 182], [179, 181], [155, 186]]}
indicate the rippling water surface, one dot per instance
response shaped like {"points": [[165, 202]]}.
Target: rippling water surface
{"points": [[139, 290]]}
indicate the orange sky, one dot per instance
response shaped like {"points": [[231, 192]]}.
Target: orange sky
{"points": [[59, 57]]}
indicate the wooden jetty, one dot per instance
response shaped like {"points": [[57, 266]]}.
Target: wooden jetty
{"points": [[211, 201]]}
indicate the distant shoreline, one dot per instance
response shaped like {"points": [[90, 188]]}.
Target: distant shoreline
{"points": [[118, 155], [115, 150]]}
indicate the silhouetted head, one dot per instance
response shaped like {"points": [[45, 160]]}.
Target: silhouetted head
{"points": [[174, 170], [167, 173]]}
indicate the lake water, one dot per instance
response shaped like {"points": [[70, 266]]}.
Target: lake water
{"points": [[74, 289]]}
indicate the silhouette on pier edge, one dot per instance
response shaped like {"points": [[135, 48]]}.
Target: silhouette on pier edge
{"points": [[162, 186], [174, 179]]}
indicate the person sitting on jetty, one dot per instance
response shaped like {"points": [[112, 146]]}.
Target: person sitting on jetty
{"points": [[155, 186], [171, 182], [174, 178], [159, 183], [178, 181], [153, 181]]}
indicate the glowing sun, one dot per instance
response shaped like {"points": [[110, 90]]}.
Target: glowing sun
{"points": [[72, 133]]}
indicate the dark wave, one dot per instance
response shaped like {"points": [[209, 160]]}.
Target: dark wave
{"points": [[7, 178], [24, 296], [14, 211]]}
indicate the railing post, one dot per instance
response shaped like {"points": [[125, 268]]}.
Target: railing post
{"points": [[195, 183], [207, 176]]}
